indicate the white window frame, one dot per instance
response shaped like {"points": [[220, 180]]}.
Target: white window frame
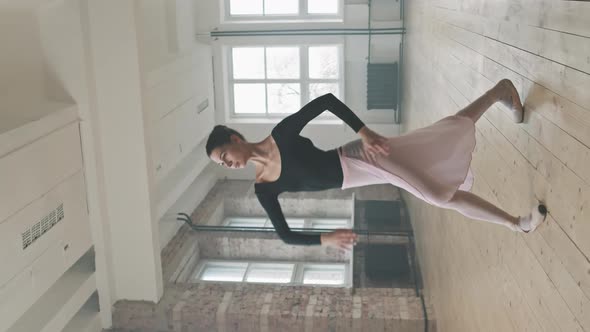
{"points": [[303, 79], [302, 16], [308, 222], [296, 276]]}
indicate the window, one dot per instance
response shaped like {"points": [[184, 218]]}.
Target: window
{"points": [[282, 10], [269, 273], [272, 81], [291, 273], [322, 274], [220, 271], [246, 222], [294, 223], [328, 223]]}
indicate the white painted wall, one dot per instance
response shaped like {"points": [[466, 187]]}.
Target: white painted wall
{"points": [[154, 33], [22, 73]]}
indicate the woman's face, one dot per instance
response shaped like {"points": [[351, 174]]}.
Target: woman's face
{"points": [[231, 155]]}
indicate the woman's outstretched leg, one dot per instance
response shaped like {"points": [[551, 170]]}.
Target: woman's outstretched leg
{"points": [[475, 207], [504, 92]]}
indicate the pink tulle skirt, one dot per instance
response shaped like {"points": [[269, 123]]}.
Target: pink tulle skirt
{"points": [[431, 163]]}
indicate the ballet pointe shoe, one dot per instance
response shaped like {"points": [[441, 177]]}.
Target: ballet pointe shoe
{"points": [[511, 100], [529, 223]]}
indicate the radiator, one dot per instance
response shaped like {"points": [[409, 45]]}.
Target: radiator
{"points": [[382, 80]]}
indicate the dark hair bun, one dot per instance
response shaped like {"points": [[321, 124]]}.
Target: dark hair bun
{"points": [[220, 135]]}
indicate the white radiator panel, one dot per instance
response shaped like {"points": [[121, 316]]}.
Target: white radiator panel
{"points": [[72, 231], [29, 172]]}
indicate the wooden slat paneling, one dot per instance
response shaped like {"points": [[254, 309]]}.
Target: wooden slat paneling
{"points": [[479, 276]]}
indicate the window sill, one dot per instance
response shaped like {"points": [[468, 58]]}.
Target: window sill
{"points": [[266, 21], [277, 120]]}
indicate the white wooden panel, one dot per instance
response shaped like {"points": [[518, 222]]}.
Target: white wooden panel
{"points": [[205, 121], [73, 229], [205, 117], [163, 161], [170, 129], [47, 269], [60, 302], [77, 236], [171, 187], [15, 298], [71, 305], [165, 136], [190, 137], [178, 134], [20, 293], [31, 171], [170, 70], [42, 274], [87, 319], [170, 93], [180, 25], [204, 66], [168, 143], [58, 115]]}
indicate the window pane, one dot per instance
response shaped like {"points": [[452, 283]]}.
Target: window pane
{"points": [[323, 62], [224, 271], [270, 273], [249, 98], [245, 7], [329, 223], [283, 97], [295, 222], [281, 7], [319, 89], [246, 222], [323, 274], [282, 62], [322, 6], [248, 62]]}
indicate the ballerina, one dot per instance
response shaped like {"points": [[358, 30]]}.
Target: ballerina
{"points": [[431, 163]]}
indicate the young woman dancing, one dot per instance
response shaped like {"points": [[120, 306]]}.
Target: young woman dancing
{"points": [[432, 163]]}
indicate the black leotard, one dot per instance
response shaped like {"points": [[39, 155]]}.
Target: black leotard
{"points": [[303, 166]]}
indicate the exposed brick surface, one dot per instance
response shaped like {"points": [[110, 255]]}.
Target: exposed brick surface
{"points": [[232, 307]]}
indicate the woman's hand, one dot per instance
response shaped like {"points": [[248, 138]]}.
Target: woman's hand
{"points": [[373, 143], [340, 238]]}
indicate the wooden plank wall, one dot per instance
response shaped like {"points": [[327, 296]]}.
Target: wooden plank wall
{"points": [[479, 276]]}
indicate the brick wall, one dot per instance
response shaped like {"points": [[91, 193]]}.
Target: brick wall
{"points": [[244, 308]]}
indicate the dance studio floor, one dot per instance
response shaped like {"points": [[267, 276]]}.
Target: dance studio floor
{"points": [[479, 276]]}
